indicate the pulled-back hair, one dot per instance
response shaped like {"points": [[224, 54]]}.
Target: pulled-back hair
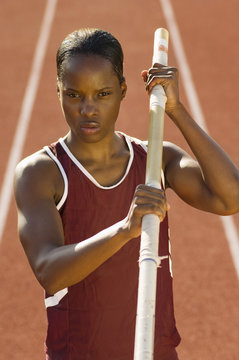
{"points": [[87, 42]]}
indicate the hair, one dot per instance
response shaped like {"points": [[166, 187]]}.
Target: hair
{"points": [[91, 42]]}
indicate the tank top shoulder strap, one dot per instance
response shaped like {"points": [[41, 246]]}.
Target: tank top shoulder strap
{"points": [[51, 151]]}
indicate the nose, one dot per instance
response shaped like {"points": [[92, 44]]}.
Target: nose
{"points": [[88, 108]]}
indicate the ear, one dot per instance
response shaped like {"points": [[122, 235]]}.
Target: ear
{"points": [[123, 89], [58, 87]]}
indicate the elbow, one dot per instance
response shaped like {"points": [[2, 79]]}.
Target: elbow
{"points": [[50, 287], [47, 284], [47, 279], [230, 200], [232, 211], [231, 206], [228, 212]]}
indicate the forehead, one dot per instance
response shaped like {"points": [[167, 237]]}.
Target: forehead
{"points": [[92, 69]]}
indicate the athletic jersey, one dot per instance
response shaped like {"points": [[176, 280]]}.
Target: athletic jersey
{"points": [[95, 319]]}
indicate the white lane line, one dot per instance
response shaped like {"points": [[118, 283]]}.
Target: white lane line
{"points": [[26, 111], [197, 113], [232, 238]]}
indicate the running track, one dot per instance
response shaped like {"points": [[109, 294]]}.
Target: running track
{"points": [[205, 280]]}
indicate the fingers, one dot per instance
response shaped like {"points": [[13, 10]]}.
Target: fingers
{"points": [[159, 74], [147, 200], [150, 200]]}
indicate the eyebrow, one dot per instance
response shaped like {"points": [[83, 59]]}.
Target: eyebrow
{"points": [[104, 88]]}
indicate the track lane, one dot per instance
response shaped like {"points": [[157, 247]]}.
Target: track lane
{"points": [[200, 256]]}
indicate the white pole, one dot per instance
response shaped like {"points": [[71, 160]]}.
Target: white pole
{"points": [[149, 259]]}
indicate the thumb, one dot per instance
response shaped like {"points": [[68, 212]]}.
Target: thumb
{"points": [[144, 74]]}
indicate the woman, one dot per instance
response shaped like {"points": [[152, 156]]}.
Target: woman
{"points": [[81, 201]]}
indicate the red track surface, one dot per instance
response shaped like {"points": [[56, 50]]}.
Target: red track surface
{"points": [[205, 283]]}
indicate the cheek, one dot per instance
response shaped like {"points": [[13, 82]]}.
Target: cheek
{"points": [[115, 105], [68, 114], [114, 111], [69, 109]]}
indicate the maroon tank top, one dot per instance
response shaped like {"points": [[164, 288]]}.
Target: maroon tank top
{"points": [[95, 319]]}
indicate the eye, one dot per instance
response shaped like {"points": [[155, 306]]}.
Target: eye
{"points": [[73, 95], [104, 93]]}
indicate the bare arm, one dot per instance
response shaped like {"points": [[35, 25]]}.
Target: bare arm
{"points": [[56, 266], [211, 182]]}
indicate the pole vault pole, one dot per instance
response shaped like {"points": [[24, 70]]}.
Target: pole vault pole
{"points": [[149, 259]]}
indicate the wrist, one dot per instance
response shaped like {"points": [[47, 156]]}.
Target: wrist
{"points": [[174, 111], [129, 230], [123, 230]]}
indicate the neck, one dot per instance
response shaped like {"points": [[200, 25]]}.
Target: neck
{"points": [[102, 151]]}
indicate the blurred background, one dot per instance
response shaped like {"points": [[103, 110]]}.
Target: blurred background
{"points": [[205, 279]]}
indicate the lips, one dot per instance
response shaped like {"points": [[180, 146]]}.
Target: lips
{"points": [[89, 124], [89, 127]]}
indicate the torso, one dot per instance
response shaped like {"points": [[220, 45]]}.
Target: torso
{"points": [[108, 293]]}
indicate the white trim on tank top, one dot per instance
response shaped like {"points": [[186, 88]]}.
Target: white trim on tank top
{"points": [[89, 176], [62, 171], [128, 139], [56, 298]]}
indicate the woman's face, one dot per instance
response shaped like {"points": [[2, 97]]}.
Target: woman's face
{"points": [[90, 96]]}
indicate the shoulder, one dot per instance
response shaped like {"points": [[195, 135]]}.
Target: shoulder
{"points": [[171, 148], [173, 153], [36, 164], [37, 173]]}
